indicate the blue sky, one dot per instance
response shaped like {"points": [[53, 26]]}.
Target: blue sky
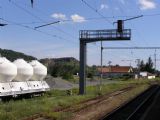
{"points": [[61, 40]]}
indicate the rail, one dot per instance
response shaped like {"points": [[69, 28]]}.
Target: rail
{"points": [[134, 109]]}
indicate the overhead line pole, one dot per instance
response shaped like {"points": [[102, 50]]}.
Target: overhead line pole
{"points": [[89, 36], [100, 87], [131, 47], [155, 59], [124, 48]]}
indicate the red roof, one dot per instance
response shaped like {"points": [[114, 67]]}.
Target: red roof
{"points": [[116, 69]]}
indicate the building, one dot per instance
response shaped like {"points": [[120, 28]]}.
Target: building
{"points": [[115, 71], [147, 75]]}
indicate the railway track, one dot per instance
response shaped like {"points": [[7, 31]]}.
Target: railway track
{"points": [[84, 104], [140, 108]]}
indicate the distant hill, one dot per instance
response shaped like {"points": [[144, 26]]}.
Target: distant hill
{"points": [[13, 55], [65, 67]]}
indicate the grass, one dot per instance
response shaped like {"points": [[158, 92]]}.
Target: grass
{"points": [[16, 110]]}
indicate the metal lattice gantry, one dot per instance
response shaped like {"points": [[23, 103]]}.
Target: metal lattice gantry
{"points": [[103, 35], [88, 36]]}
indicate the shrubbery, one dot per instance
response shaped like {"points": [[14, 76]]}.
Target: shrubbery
{"points": [[67, 76]]}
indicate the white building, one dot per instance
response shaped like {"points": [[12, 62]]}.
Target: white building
{"points": [[147, 75]]}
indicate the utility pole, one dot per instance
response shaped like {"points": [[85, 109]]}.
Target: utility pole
{"points": [[138, 66], [100, 87], [109, 65], [155, 59]]}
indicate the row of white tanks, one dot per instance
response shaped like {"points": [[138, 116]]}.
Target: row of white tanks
{"points": [[20, 70]]}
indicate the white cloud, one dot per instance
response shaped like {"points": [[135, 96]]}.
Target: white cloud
{"points": [[104, 6], [59, 16], [147, 4], [77, 18]]}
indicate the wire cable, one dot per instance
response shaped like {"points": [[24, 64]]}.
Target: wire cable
{"points": [[25, 10], [28, 27], [38, 18], [92, 18], [95, 10]]}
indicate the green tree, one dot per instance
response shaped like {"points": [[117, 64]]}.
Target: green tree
{"points": [[67, 76], [148, 66], [142, 66], [91, 71]]}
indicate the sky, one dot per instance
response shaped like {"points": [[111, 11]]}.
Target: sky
{"points": [[62, 39]]}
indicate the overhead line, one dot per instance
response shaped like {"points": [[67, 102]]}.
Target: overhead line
{"points": [[133, 18], [131, 47], [47, 24], [28, 27], [94, 18], [109, 17], [70, 20], [155, 14], [91, 7], [95, 10], [25, 10]]}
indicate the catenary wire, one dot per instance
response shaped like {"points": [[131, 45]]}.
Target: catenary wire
{"points": [[38, 18], [28, 27], [95, 10]]}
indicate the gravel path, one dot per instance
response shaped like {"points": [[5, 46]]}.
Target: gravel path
{"points": [[59, 83]]}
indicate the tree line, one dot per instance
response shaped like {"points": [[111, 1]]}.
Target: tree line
{"points": [[148, 66], [66, 69]]}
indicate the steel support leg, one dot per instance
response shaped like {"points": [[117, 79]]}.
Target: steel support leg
{"points": [[82, 72]]}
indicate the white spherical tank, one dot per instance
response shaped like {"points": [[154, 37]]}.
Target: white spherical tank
{"points": [[8, 70], [24, 70], [39, 70]]}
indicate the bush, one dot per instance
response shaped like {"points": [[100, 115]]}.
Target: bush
{"points": [[90, 75], [127, 76], [67, 76]]}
